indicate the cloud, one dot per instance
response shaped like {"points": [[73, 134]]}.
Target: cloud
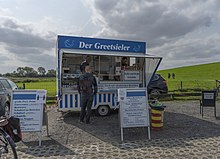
{"points": [[28, 30], [32, 43], [157, 19], [27, 43], [176, 30], [190, 51], [4, 11], [13, 33]]}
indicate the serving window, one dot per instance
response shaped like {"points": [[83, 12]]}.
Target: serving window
{"points": [[105, 69]]}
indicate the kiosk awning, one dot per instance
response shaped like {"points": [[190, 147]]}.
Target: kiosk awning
{"points": [[109, 53]]}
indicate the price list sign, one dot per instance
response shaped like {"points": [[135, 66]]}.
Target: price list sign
{"points": [[27, 105], [133, 109]]}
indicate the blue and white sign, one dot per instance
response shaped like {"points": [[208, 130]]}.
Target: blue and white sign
{"points": [[133, 108], [96, 44], [27, 105]]}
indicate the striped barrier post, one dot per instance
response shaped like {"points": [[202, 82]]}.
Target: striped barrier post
{"points": [[157, 117]]}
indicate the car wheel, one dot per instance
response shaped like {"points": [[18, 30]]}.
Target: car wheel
{"points": [[7, 109], [103, 110], [154, 92]]}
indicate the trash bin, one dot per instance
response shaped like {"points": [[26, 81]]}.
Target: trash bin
{"points": [[157, 115]]}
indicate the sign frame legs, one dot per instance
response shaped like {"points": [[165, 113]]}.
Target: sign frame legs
{"points": [[149, 136], [122, 135], [40, 137]]}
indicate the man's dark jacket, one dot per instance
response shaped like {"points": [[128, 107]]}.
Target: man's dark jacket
{"points": [[87, 84]]}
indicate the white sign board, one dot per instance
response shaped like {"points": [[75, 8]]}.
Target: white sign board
{"points": [[134, 110], [27, 105], [131, 75], [208, 95]]}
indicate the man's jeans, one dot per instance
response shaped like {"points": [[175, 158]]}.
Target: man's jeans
{"points": [[86, 105]]}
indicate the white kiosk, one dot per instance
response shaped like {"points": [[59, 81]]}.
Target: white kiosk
{"points": [[115, 63]]}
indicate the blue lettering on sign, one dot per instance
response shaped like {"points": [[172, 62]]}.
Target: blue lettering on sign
{"points": [[82, 43]]}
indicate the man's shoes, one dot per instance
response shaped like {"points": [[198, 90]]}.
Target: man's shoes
{"points": [[87, 122]]}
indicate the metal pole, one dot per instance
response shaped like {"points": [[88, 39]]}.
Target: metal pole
{"points": [[40, 137], [146, 84], [47, 124], [122, 137], [149, 137]]}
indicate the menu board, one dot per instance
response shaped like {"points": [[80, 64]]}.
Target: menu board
{"points": [[133, 108], [27, 105]]}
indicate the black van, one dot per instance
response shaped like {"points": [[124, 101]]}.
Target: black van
{"points": [[157, 85]]}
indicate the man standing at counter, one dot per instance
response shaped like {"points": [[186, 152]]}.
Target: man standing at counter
{"points": [[87, 87]]}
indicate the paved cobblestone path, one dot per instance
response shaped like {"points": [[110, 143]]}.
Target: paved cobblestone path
{"points": [[185, 135]]}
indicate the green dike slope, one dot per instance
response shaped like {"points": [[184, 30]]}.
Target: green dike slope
{"points": [[209, 71], [197, 77]]}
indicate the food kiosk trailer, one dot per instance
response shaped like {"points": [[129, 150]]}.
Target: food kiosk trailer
{"points": [[115, 64]]}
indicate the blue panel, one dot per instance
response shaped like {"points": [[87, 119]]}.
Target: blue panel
{"points": [[66, 101], [24, 96], [61, 103], [97, 44], [100, 98], [104, 97], [142, 93], [76, 100], [109, 96], [71, 101], [113, 99]]}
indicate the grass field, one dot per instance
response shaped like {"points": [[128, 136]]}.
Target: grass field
{"points": [[193, 78], [50, 86]]}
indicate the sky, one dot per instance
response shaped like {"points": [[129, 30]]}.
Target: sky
{"points": [[183, 32]]}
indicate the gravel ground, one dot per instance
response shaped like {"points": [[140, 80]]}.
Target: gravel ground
{"points": [[185, 135]]}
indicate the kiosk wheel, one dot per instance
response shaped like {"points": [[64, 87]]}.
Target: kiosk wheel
{"points": [[103, 110], [155, 92]]}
